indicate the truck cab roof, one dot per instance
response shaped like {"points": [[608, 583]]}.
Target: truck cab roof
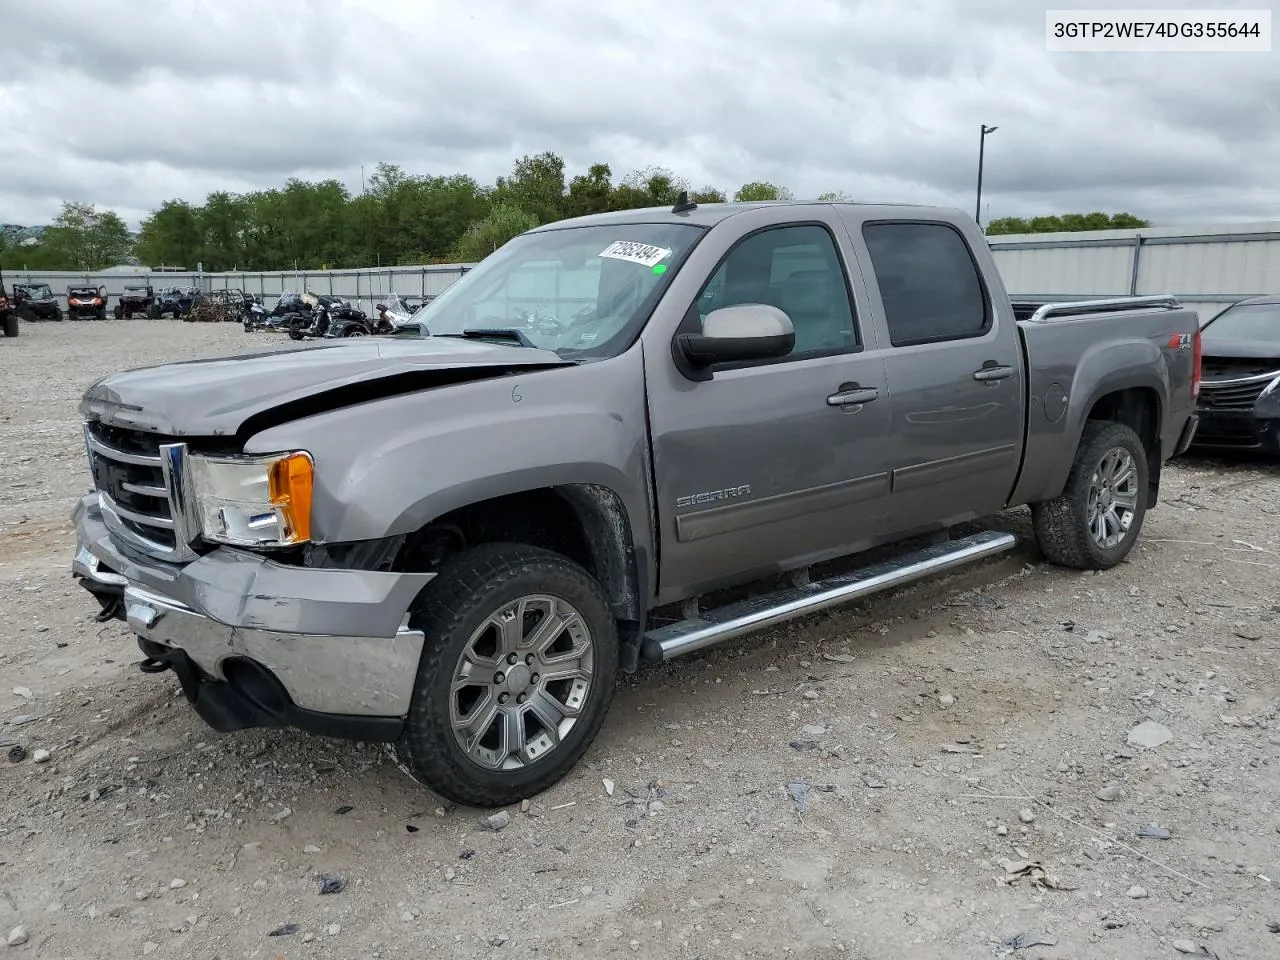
{"points": [[709, 214]]}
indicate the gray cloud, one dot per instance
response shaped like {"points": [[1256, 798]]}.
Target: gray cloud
{"points": [[879, 99]]}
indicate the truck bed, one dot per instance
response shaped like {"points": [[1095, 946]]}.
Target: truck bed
{"points": [[1076, 352]]}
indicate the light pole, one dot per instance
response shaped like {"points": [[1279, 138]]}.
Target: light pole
{"points": [[982, 143]]}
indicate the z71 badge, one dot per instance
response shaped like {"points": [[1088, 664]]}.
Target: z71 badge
{"points": [[713, 496]]}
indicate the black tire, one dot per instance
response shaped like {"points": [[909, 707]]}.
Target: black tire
{"points": [[11, 324], [102, 313], [1063, 526], [153, 312], [469, 589], [57, 314]]}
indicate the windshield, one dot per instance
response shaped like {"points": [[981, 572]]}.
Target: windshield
{"points": [[39, 291], [1246, 321], [580, 291]]}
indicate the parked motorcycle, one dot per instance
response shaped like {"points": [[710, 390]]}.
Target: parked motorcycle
{"points": [[330, 317]]}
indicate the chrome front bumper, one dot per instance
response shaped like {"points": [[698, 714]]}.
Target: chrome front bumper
{"points": [[337, 640]]}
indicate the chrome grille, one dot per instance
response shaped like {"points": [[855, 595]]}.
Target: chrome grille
{"points": [[1240, 393], [141, 480]]}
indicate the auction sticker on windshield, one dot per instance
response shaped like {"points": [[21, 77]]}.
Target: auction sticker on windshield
{"points": [[644, 254]]}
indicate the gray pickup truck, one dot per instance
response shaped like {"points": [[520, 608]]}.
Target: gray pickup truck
{"points": [[451, 540]]}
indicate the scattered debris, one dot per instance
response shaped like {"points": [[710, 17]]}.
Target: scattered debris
{"points": [[1026, 815], [1150, 734], [811, 694], [409, 827], [17, 754], [799, 790], [608, 786], [812, 731], [288, 930], [466, 854], [1033, 870], [279, 815], [1024, 941], [839, 657], [343, 810], [967, 748], [1152, 831], [22, 692], [873, 782], [946, 700], [1186, 946], [1137, 893], [1110, 793], [330, 884], [804, 744], [18, 936], [311, 848], [41, 756], [177, 884], [499, 821]]}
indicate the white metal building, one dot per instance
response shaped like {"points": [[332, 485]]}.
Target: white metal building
{"points": [[1206, 267]]}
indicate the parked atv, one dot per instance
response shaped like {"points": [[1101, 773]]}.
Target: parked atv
{"points": [[8, 316], [174, 302], [35, 301], [137, 298], [87, 303]]}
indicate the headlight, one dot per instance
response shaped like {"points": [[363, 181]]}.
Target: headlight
{"points": [[254, 501]]}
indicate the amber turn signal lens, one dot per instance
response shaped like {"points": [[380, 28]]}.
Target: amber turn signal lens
{"points": [[289, 483]]}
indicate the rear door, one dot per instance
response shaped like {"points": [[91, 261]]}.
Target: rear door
{"points": [[954, 368], [770, 464]]}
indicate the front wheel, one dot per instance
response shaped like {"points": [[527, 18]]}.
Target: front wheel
{"points": [[1094, 522], [11, 324], [516, 678]]}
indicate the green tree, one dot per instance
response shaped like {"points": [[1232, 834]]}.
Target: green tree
{"points": [[1065, 223], [170, 236], [536, 185], [759, 191], [833, 196], [483, 237], [654, 186], [83, 238], [590, 192], [707, 195]]}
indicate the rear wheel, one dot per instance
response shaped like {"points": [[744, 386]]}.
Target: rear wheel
{"points": [[1096, 520], [11, 324], [516, 678]]}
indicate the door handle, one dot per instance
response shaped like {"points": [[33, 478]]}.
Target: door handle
{"points": [[852, 395], [993, 373]]}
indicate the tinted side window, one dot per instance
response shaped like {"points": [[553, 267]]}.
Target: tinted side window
{"points": [[797, 270], [928, 282]]}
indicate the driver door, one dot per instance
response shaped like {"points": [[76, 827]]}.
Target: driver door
{"points": [[774, 464]]}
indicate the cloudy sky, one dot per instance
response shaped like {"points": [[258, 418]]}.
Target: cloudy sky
{"points": [[126, 103]]}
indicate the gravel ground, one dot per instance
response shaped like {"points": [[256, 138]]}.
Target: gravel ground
{"points": [[962, 744]]}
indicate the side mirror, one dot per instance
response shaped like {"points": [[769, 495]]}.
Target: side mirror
{"points": [[748, 331]]}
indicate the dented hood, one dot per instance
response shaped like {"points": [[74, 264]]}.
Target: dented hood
{"points": [[224, 396]]}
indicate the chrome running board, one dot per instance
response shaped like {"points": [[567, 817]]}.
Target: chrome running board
{"points": [[736, 619]]}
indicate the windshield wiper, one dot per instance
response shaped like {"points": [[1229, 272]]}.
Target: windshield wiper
{"points": [[493, 333]]}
